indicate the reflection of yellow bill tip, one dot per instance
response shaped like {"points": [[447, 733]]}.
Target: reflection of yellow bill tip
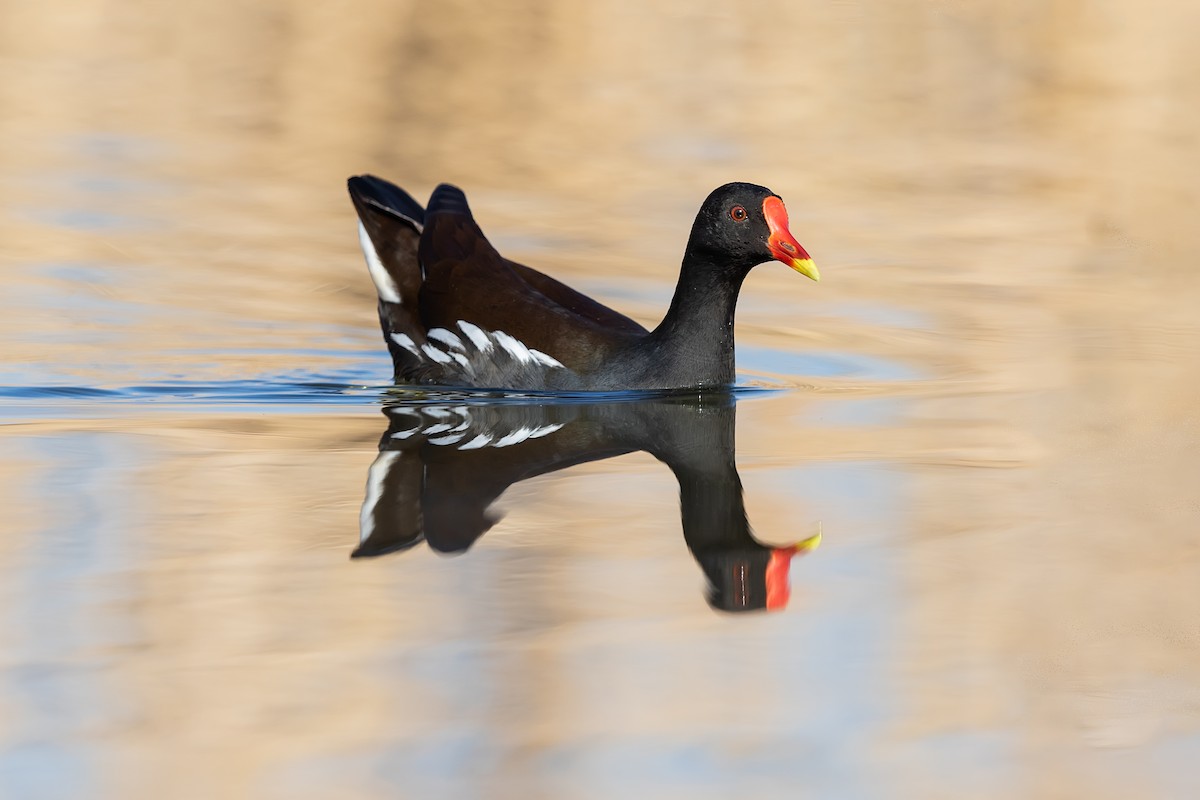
{"points": [[805, 266], [809, 544]]}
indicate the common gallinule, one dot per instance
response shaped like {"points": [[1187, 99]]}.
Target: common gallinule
{"points": [[457, 313], [442, 466]]}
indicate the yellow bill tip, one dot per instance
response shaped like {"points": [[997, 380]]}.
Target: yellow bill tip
{"points": [[805, 266]]}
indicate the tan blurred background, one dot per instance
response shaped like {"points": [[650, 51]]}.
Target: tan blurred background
{"points": [[992, 411]]}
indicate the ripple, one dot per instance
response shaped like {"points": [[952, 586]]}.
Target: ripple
{"points": [[26, 401], [280, 394]]}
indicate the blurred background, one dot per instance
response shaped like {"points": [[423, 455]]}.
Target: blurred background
{"points": [[988, 404]]}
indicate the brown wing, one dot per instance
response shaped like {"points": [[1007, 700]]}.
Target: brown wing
{"points": [[576, 302], [467, 279]]}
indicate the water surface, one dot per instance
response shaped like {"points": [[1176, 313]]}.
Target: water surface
{"points": [[986, 408]]}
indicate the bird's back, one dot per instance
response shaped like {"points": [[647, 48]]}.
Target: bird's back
{"points": [[456, 312]]}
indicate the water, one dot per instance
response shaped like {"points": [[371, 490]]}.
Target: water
{"points": [[232, 561]]}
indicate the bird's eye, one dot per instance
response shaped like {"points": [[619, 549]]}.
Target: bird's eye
{"points": [[738, 214]]}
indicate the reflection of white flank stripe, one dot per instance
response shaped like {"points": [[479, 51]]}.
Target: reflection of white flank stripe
{"points": [[479, 441], [519, 435], [384, 285], [437, 412], [446, 337], [447, 439], [407, 343], [476, 335], [518, 349], [376, 475], [441, 427], [545, 360], [545, 430], [435, 354], [462, 427]]}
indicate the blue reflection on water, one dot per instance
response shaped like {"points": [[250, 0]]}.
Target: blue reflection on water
{"points": [[824, 364], [306, 389]]}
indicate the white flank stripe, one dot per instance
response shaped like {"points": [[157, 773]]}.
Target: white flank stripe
{"points": [[545, 430], [435, 354], [406, 342], [476, 335], [450, 439], [519, 435], [384, 285], [462, 361], [441, 427], [545, 360], [479, 441], [519, 351], [446, 337], [376, 475]]}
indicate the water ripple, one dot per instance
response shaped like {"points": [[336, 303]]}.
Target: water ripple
{"points": [[237, 394]]}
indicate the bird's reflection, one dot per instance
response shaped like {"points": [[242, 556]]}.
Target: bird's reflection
{"points": [[441, 466]]}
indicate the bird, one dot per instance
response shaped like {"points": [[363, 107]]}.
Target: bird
{"points": [[456, 313]]}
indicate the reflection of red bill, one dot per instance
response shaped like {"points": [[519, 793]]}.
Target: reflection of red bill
{"points": [[778, 590], [782, 244]]}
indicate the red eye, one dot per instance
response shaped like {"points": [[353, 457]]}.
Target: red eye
{"points": [[738, 213]]}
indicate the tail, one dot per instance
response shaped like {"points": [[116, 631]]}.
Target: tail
{"points": [[450, 199], [389, 230], [453, 235]]}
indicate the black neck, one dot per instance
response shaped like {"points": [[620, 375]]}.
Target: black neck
{"points": [[696, 336]]}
